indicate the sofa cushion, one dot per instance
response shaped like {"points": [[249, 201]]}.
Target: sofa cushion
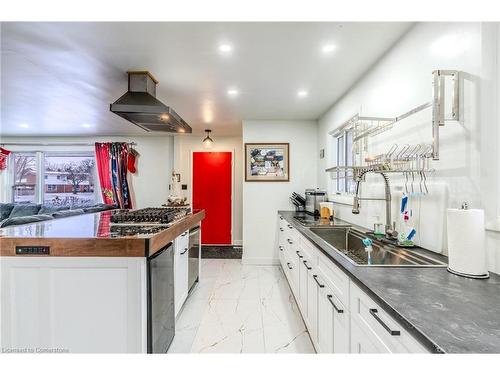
{"points": [[5, 210], [49, 209], [24, 220], [28, 209], [68, 213]]}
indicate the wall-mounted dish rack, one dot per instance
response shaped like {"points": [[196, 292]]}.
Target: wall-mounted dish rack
{"points": [[408, 160], [369, 126]]}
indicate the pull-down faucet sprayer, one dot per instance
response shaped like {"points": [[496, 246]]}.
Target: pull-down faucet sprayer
{"points": [[389, 229]]}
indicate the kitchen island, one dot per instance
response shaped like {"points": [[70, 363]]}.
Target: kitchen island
{"points": [[84, 284]]}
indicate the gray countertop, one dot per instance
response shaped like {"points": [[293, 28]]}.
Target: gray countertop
{"points": [[444, 312]]}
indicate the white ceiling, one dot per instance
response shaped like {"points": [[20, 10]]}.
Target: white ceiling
{"points": [[58, 76]]}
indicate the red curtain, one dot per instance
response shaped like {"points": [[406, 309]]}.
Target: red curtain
{"points": [[112, 160], [103, 161]]}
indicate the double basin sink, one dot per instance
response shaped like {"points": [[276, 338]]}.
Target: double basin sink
{"points": [[348, 241]]}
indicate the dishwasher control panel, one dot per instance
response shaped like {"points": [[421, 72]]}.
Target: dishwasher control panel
{"points": [[32, 250]]}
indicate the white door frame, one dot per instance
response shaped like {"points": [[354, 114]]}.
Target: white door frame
{"points": [[232, 183]]}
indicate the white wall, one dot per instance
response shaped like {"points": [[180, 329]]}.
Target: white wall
{"points": [[262, 200], [185, 145], [149, 185], [401, 81]]}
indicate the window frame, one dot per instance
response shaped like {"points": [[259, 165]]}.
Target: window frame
{"points": [[41, 175], [344, 158]]}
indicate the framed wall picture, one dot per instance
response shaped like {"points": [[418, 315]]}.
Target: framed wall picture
{"points": [[267, 162]]}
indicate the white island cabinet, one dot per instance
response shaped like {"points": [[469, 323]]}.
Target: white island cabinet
{"points": [[74, 304], [339, 316]]}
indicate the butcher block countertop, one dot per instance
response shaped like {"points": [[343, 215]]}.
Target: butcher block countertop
{"points": [[89, 235]]}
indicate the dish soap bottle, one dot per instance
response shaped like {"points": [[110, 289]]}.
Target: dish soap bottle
{"points": [[378, 227]]}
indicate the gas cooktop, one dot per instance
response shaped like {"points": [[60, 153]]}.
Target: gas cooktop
{"points": [[156, 215]]}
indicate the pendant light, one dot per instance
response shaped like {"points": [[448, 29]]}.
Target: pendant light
{"points": [[208, 142]]}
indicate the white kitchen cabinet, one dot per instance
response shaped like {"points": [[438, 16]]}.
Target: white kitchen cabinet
{"points": [[181, 271], [377, 331], [312, 306], [333, 322], [75, 304]]}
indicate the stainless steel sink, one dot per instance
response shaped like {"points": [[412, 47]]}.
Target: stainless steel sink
{"points": [[348, 242]]}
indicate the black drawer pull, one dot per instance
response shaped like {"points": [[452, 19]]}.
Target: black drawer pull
{"points": [[305, 264], [185, 250], [289, 241], [281, 248], [330, 298], [281, 229], [281, 217], [183, 234], [317, 282], [300, 256], [288, 265], [382, 323], [289, 226]]}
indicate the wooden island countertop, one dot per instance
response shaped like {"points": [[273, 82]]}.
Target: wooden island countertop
{"points": [[89, 235]]}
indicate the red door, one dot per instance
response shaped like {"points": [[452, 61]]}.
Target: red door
{"points": [[212, 192]]}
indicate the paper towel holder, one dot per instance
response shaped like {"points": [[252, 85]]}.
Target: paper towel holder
{"points": [[483, 276], [465, 206]]}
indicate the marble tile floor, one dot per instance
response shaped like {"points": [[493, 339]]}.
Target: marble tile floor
{"points": [[238, 308]]}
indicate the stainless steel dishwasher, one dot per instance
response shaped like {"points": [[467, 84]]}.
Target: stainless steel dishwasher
{"points": [[194, 256]]}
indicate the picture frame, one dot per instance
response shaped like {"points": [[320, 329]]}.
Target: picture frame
{"points": [[267, 162]]}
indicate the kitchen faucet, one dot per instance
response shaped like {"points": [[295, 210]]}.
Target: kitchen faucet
{"points": [[389, 229]]}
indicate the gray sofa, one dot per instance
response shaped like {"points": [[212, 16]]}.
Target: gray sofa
{"points": [[17, 214]]}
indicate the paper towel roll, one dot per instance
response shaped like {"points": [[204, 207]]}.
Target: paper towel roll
{"points": [[466, 242]]}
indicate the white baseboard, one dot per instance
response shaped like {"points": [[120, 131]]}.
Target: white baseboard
{"points": [[260, 261]]}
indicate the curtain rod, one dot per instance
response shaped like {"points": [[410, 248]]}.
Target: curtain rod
{"points": [[58, 144]]}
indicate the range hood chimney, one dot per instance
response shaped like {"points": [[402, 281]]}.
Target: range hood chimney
{"points": [[140, 106]]}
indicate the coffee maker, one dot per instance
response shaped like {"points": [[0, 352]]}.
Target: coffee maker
{"points": [[313, 199]]}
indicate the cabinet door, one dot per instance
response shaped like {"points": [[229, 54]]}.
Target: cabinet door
{"points": [[362, 342], [333, 323], [303, 266], [325, 323], [181, 274], [312, 307]]}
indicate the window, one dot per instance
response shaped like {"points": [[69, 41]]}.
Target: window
{"points": [[25, 173], [69, 179], [344, 146], [54, 178]]}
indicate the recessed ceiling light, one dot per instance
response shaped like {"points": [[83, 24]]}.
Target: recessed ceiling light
{"points": [[87, 125], [328, 48], [233, 92], [225, 48], [25, 126], [302, 93]]}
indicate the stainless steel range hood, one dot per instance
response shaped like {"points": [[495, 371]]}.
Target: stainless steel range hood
{"points": [[140, 106]]}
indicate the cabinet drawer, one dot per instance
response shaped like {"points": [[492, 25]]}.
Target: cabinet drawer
{"points": [[336, 279], [382, 331]]}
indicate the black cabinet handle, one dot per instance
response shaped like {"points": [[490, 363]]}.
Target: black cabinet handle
{"points": [[281, 229], [305, 264], [298, 254], [289, 241], [317, 282], [281, 248], [183, 234], [374, 313], [184, 252], [288, 265], [281, 217], [289, 226], [330, 298]]}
